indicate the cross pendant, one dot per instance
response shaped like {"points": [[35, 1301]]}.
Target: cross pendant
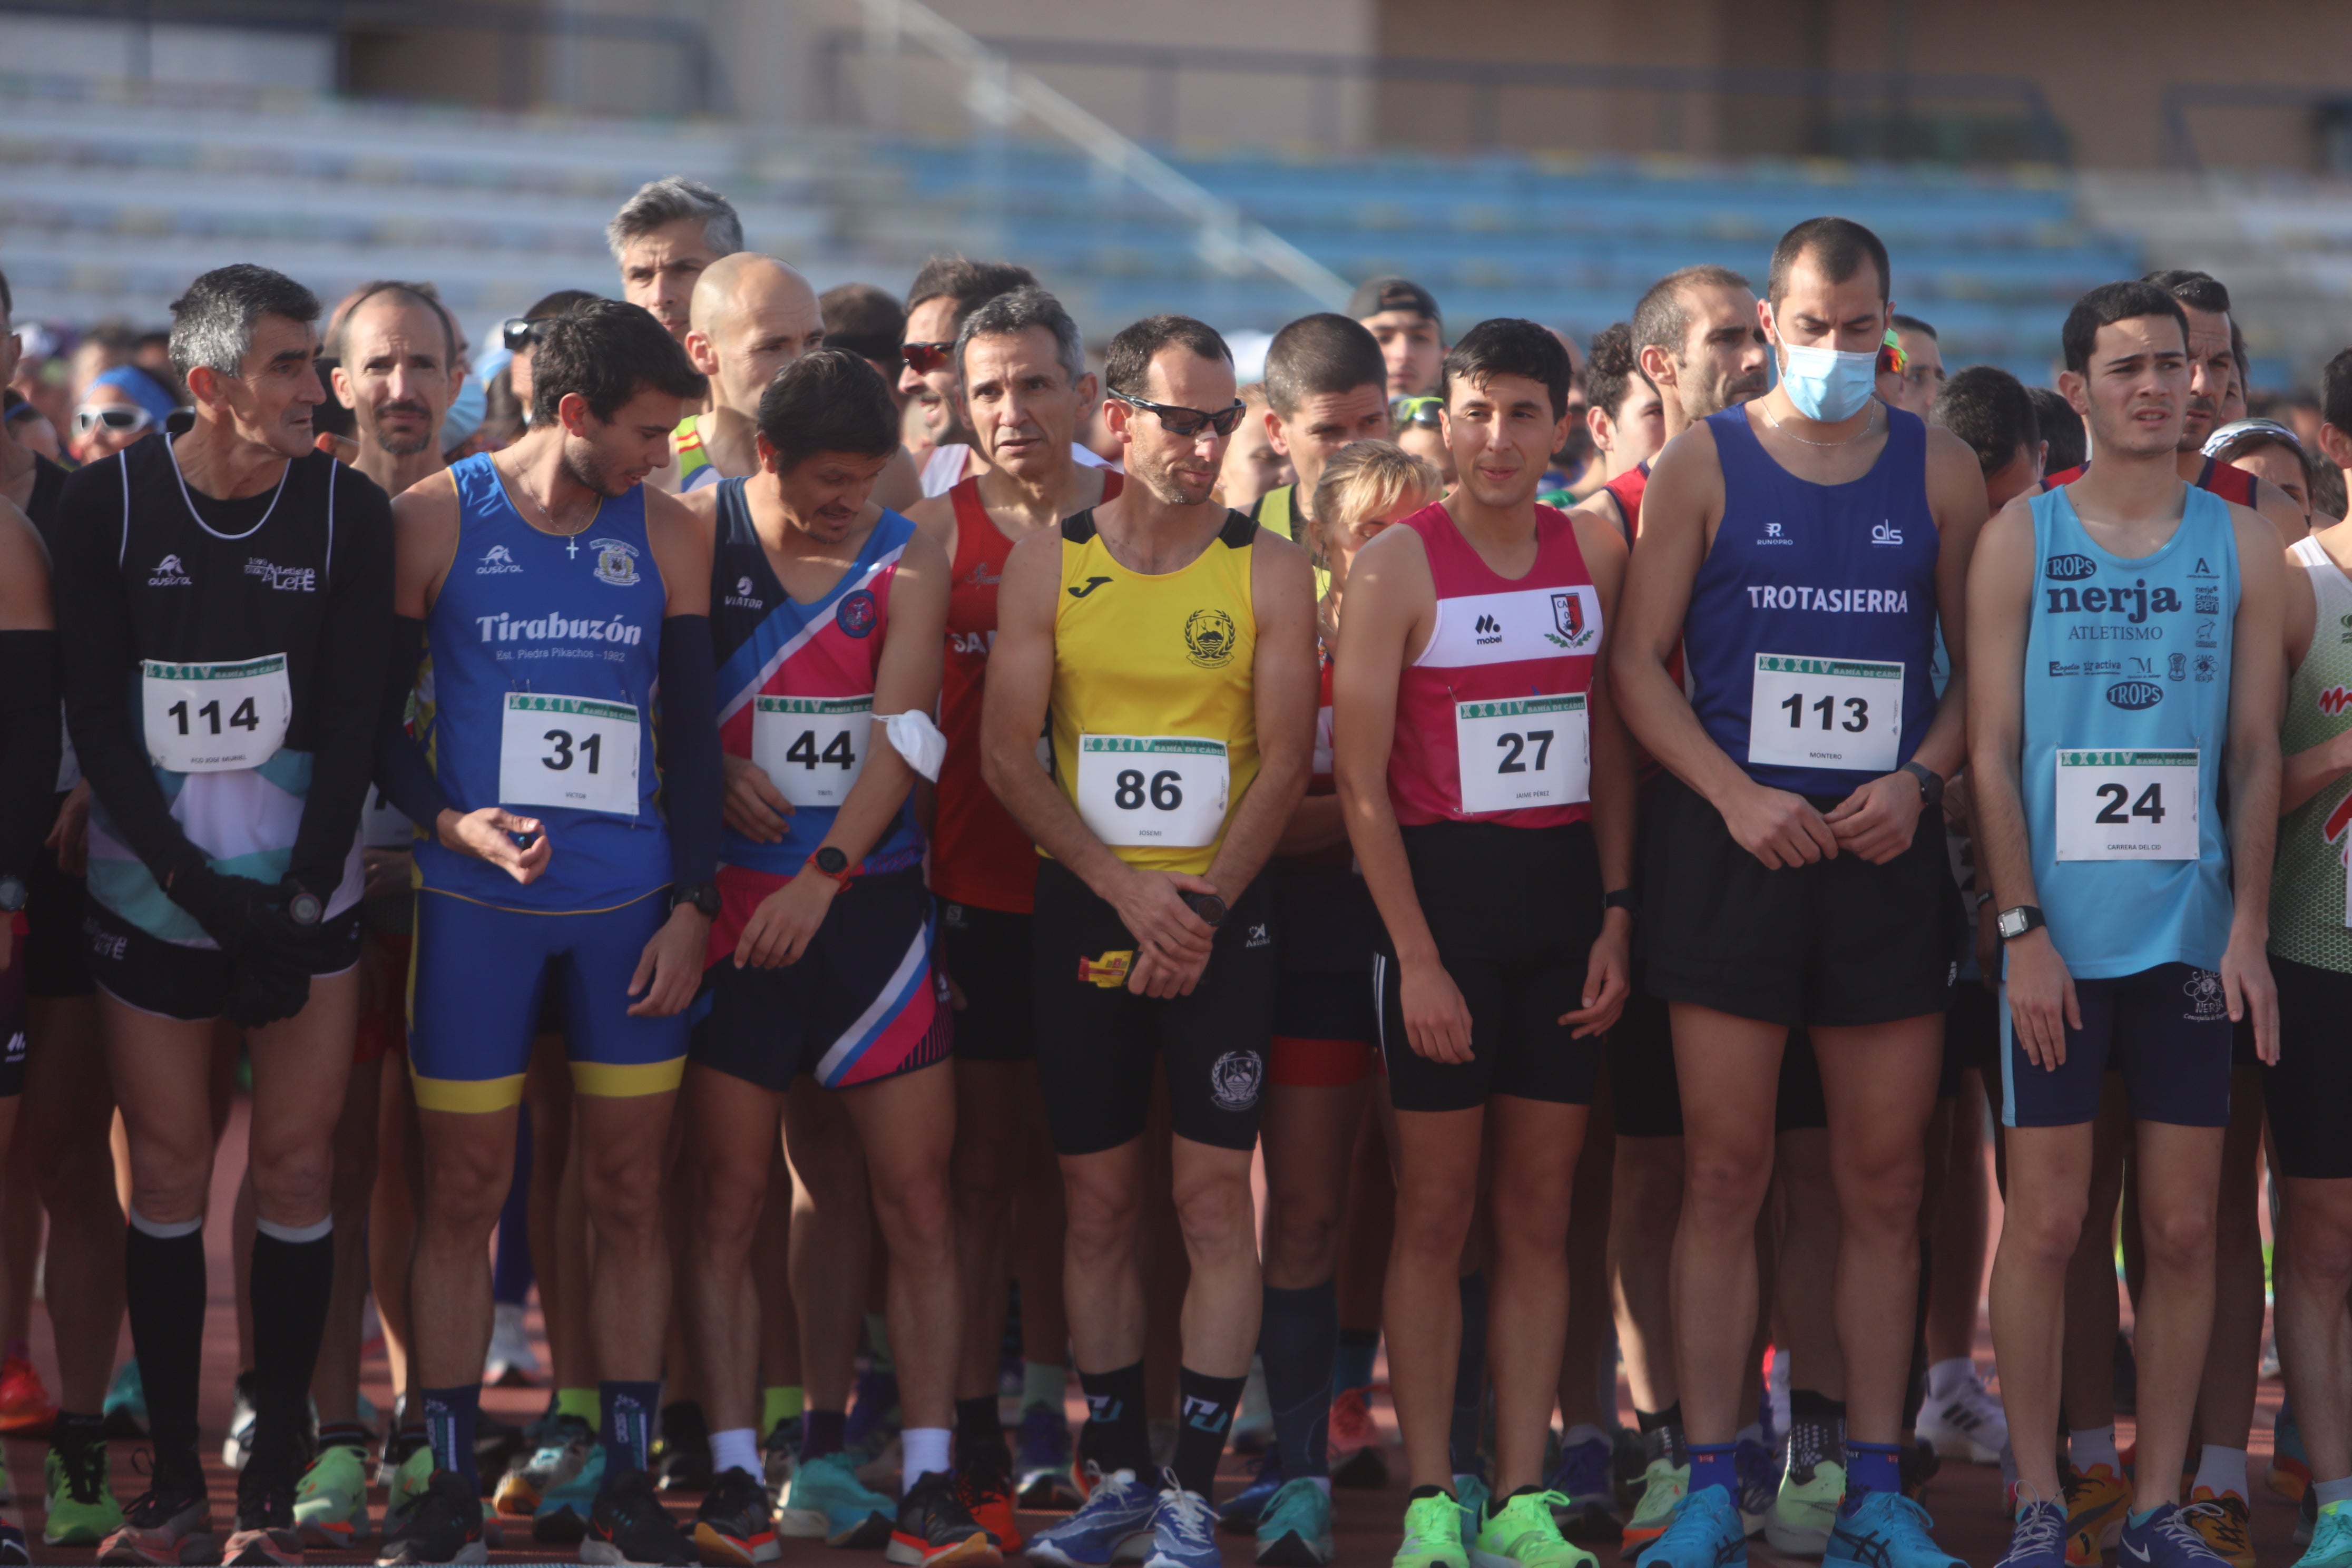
{"points": [[571, 546]]}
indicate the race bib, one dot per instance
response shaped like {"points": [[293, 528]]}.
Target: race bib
{"points": [[576, 752], [1163, 792], [212, 717], [2127, 805], [1825, 713], [813, 748], [1522, 751]]}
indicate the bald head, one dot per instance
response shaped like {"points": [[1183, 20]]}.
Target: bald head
{"points": [[750, 316]]}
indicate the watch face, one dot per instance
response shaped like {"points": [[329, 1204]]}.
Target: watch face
{"points": [[2012, 923], [832, 861]]}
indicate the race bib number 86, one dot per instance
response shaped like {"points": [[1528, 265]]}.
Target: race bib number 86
{"points": [[572, 752], [2126, 805], [1165, 792]]}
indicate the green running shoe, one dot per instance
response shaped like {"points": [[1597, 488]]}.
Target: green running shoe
{"points": [[1432, 1534], [331, 1507], [408, 1482], [564, 1508], [81, 1504], [1522, 1533], [2331, 1539], [827, 1500], [1294, 1531], [1805, 1511], [1663, 1487]]}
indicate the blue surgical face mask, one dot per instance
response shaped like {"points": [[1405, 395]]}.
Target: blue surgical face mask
{"points": [[1828, 384], [465, 416]]}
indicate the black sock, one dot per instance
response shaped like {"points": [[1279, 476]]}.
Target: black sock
{"points": [[342, 1434], [1297, 1336], [977, 1427], [627, 1410], [1205, 1407], [1119, 1436], [165, 1290], [291, 1280], [449, 1415], [1662, 1435], [1470, 1378], [1815, 1432]]}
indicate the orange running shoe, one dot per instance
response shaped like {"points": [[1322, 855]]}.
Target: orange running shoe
{"points": [[2222, 1520], [984, 1486], [26, 1408], [2096, 1502]]}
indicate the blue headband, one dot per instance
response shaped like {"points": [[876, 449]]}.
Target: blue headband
{"points": [[141, 389]]}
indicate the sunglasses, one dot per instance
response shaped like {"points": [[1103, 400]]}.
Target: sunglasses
{"points": [[925, 358], [520, 332], [113, 415], [1422, 411], [1190, 421]]}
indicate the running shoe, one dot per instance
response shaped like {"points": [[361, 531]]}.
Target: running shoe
{"points": [[1472, 1493], [2331, 1539], [1359, 1458], [1663, 1485], [1115, 1525], [81, 1507], [441, 1523], [511, 1363], [126, 1403], [1886, 1530], [827, 1502], [2098, 1500], [265, 1535], [1183, 1530], [331, 1507], [780, 1454], [1294, 1528], [1522, 1533], [934, 1529], [237, 1446], [1967, 1424], [1759, 1484], [1917, 1464], [26, 1408], [2223, 1522], [2040, 1539], [2290, 1471], [629, 1525], [1805, 1510], [1253, 1430], [1041, 1460], [2306, 1518], [873, 1414], [171, 1519], [1705, 1533], [563, 1512], [13, 1547], [561, 1451], [1433, 1531], [681, 1455], [1242, 1510], [1586, 1485], [497, 1445], [735, 1526], [2166, 1538], [410, 1479], [983, 1484]]}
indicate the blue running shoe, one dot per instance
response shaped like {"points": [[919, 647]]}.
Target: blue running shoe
{"points": [[1586, 1481], [873, 1414], [1041, 1461], [1706, 1533], [1242, 1510], [1759, 1484], [126, 1403], [2166, 1538], [1117, 1524], [1295, 1530], [1887, 1529], [2040, 1539], [828, 1502], [1183, 1530]]}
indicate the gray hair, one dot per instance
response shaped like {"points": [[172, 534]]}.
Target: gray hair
{"points": [[662, 202], [212, 324], [1022, 308]]}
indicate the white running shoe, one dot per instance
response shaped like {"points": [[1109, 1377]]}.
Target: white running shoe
{"points": [[1966, 1423], [512, 1362]]}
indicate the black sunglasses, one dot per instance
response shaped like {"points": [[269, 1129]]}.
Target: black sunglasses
{"points": [[1188, 422], [925, 358], [520, 332]]}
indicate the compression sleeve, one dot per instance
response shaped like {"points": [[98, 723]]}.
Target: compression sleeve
{"points": [[691, 781], [403, 771], [351, 660], [28, 746], [100, 658]]}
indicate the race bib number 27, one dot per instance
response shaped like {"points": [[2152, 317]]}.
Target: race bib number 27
{"points": [[1516, 754]]}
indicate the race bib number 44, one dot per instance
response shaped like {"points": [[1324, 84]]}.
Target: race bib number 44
{"points": [[576, 752], [813, 748], [2126, 805], [215, 717], [1825, 713], [1161, 792], [1523, 751]]}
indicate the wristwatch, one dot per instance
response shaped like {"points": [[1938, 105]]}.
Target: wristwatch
{"points": [[1623, 899], [831, 862], [2016, 921], [1931, 783], [304, 909], [13, 893], [1208, 906], [703, 897]]}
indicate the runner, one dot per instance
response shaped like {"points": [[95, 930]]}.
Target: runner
{"points": [[1022, 368], [663, 237], [1163, 631], [1799, 551], [868, 321], [1251, 466], [1476, 637], [1403, 318], [1627, 416], [2140, 957], [1698, 340], [946, 293], [2269, 450], [1913, 373], [1323, 377], [749, 316], [244, 578], [544, 662], [2335, 419], [1994, 414], [831, 613]]}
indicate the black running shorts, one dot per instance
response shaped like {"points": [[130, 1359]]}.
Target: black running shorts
{"points": [[2306, 1093], [189, 984], [53, 951], [984, 953]]}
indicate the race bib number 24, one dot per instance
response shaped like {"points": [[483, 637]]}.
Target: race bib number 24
{"points": [[2126, 805]]}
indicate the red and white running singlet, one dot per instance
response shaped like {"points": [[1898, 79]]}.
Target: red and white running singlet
{"points": [[1492, 724]]}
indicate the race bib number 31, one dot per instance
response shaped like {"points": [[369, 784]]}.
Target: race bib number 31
{"points": [[574, 752], [813, 748], [1825, 713], [1161, 792], [2126, 805], [215, 717], [1523, 751]]}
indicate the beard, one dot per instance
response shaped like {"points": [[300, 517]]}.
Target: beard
{"points": [[405, 446], [1162, 482], [581, 464]]}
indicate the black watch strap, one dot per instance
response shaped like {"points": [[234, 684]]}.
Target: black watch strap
{"points": [[1623, 899], [1931, 783], [2016, 921], [702, 896]]}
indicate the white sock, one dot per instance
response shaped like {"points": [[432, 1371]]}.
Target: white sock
{"points": [[737, 1448], [2223, 1470], [1322, 1484], [924, 1451], [1582, 1432], [1946, 1378], [2089, 1446]]}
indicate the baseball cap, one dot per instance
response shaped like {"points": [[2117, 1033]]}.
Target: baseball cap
{"points": [[1374, 295]]}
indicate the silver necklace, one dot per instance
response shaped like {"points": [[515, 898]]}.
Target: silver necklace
{"points": [[571, 536], [1867, 426]]}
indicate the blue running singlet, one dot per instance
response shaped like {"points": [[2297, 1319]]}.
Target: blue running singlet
{"points": [[2127, 722], [1811, 636]]}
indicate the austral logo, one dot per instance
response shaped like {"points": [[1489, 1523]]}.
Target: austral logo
{"points": [[2069, 568], [2135, 696]]}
